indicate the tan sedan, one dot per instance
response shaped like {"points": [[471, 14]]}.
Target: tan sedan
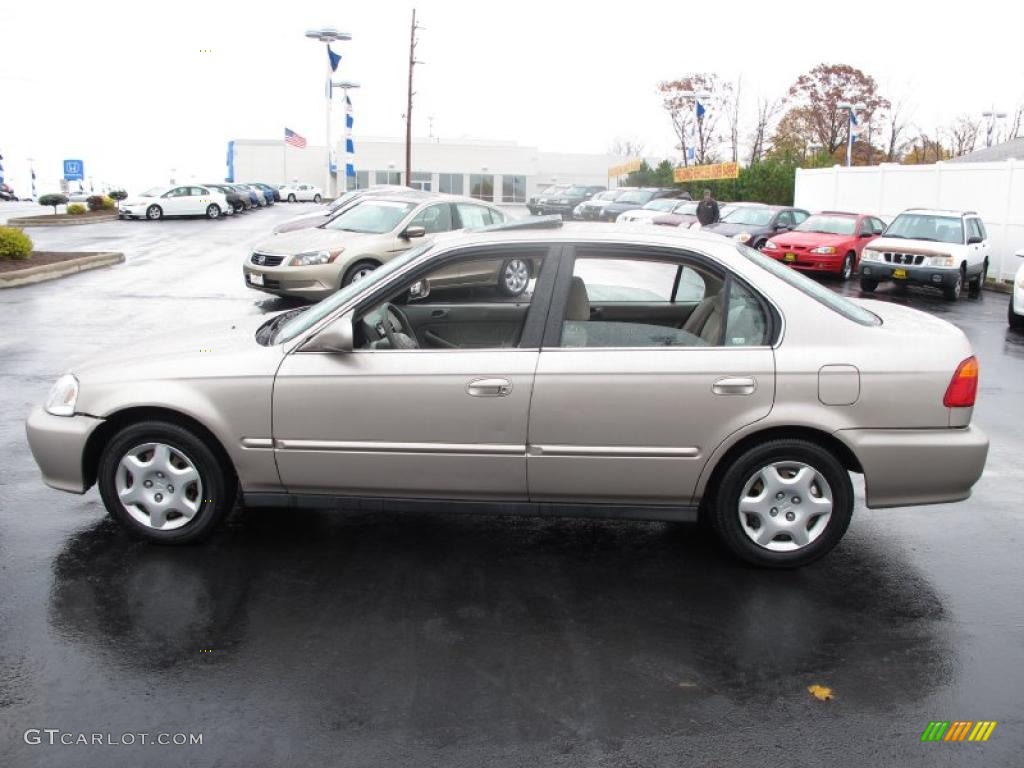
{"points": [[645, 373]]}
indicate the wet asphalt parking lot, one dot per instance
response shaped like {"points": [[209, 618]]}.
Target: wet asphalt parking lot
{"points": [[324, 638]]}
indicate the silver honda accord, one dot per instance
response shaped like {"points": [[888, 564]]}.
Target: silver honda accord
{"points": [[641, 374]]}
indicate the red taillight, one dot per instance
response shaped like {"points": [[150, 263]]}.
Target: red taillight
{"points": [[963, 388]]}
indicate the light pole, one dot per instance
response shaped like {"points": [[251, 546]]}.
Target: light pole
{"points": [[328, 35], [992, 116], [345, 86], [851, 110], [32, 173]]}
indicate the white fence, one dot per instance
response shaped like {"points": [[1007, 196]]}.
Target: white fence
{"points": [[994, 190]]}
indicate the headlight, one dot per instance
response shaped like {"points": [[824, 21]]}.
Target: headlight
{"points": [[940, 261], [741, 237], [823, 249], [1019, 281], [770, 245], [313, 258], [870, 256], [63, 396]]}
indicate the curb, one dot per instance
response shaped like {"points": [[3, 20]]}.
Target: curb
{"points": [[999, 286], [44, 272], [71, 221]]}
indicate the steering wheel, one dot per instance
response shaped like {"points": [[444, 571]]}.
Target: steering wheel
{"points": [[402, 337]]}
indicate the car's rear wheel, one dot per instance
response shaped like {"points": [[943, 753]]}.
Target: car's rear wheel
{"points": [[514, 277], [846, 271], [163, 483], [154, 213], [952, 292], [316, 198], [868, 285], [213, 211], [977, 283], [358, 271], [238, 207], [1016, 321], [291, 198], [782, 504]]}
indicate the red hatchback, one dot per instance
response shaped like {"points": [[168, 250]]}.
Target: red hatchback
{"points": [[830, 241]]}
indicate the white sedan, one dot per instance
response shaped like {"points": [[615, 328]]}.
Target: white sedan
{"points": [[301, 193], [1015, 312], [190, 200], [646, 215]]}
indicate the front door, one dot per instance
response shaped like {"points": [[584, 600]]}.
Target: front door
{"points": [[433, 402], [650, 360]]}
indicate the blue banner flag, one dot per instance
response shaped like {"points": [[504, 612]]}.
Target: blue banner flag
{"points": [[334, 58], [700, 110]]}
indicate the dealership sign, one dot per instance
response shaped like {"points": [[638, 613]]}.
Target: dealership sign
{"points": [[708, 172], [74, 170], [621, 170]]}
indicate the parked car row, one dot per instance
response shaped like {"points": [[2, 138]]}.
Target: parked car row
{"points": [[213, 201]]}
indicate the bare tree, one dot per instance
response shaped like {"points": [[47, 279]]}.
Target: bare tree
{"points": [[680, 99], [767, 110], [963, 135], [897, 123], [627, 146], [732, 113], [1016, 127]]}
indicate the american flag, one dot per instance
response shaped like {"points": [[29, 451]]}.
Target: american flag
{"points": [[291, 137]]}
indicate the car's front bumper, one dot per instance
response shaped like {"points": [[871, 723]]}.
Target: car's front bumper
{"points": [[905, 467], [807, 261], [58, 446], [310, 283], [938, 277]]}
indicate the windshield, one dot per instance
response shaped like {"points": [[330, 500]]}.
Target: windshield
{"points": [[661, 204], [922, 226], [639, 196], [576, 192], [685, 207], [815, 290], [302, 323], [154, 192], [371, 217], [611, 194], [750, 216], [828, 225]]}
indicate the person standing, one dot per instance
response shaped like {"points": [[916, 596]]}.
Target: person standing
{"points": [[707, 209]]}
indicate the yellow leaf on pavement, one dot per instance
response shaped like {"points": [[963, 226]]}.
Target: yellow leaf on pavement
{"points": [[820, 692]]}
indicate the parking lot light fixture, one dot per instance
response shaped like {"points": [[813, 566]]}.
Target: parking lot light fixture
{"points": [[328, 35]]}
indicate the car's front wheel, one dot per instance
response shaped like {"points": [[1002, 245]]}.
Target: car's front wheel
{"points": [[291, 198], [164, 483], [357, 272], [514, 277], [213, 211], [154, 213], [868, 285], [952, 292], [846, 271], [782, 504], [1015, 321]]}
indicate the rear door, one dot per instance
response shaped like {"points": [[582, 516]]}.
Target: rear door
{"points": [[629, 408]]}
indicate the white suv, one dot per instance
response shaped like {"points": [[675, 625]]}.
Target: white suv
{"points": [[943, 249]]}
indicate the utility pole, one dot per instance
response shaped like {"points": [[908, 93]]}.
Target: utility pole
{"points": [[408, 108]]}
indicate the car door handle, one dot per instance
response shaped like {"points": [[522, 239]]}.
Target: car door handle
{"points": [[735, 385], [489, 387], [439, 313]]}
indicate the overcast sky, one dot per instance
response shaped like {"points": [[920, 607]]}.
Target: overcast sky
{"points": [[128, 88]]}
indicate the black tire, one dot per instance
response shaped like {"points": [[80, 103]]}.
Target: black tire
{"points": [[868, 285], [723, 511], [512, 285], [1016, 321], [213, 211], [317, 199], [353, 272], [219, 486], [952, 292], [238, 207], [759, 244], [846, 270], [154, 213], [976, 283], [291, 198]]}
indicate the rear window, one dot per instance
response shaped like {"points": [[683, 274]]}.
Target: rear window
{"points": [[806, 285]]}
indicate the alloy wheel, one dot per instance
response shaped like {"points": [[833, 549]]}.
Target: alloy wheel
{"points": [[785, 506], [515, 276], [159, 486]]}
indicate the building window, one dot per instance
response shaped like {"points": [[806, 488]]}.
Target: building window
{"points": [[420, 181], [362, 179], [449, 183], [513, 189], [387, 177], [481, 187]]}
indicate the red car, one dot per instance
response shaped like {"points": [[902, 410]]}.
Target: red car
{"points": [[830, 241]]}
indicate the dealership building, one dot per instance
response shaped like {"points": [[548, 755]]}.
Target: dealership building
{"points": [[496, 171]]}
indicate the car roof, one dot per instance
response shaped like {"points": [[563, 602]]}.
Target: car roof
{"points": [[423, 197], [939, 212]]}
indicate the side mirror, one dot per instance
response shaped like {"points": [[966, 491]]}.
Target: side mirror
{"points": [[974, 240], [867, 234], [419, 290], [410, 232], [782, 227], [336, 337]]}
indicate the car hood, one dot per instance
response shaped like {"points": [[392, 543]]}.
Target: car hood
{"points": [[312, 239], [728, 229], [924, 247], [811, 239]]}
